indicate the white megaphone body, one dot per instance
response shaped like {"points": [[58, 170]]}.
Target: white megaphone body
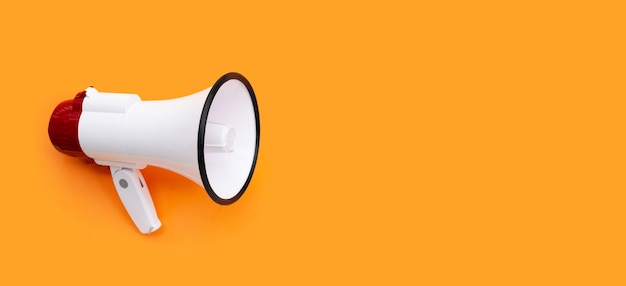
{"points": [[210, 137]]}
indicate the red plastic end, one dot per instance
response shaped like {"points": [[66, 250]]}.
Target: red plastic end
{"points": [[63, 127]]}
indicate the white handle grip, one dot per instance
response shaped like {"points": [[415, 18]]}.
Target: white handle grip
{"points": [[133, 192]]}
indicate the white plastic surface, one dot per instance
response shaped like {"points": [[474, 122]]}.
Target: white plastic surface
{"points": [[134, 193], [228, 172], [162, 133], [219, 138], [121, 130], [117, 129]]}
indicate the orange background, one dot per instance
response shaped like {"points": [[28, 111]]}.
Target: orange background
{"points": [[452, 143]]}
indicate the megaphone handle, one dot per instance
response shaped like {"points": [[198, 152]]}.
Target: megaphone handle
{"points": [[135, 196]]}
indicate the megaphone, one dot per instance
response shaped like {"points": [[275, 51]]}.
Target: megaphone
{"points": [[211, 137]]}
